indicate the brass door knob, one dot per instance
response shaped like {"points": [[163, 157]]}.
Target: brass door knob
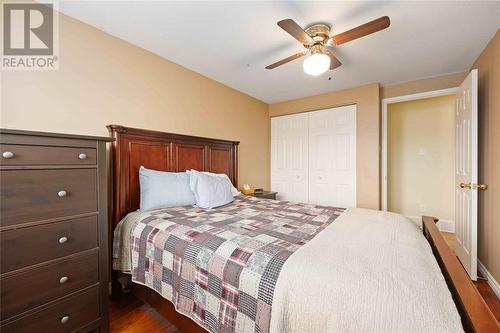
{"points": [[471, 186], [480, 187]]}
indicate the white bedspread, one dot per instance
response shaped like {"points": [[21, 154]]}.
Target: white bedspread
{"points": [[376, 273]]}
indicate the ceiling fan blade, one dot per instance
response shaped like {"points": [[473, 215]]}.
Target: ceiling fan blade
{"points": [[334, 62], [363, 30], [288, 59], [296, 31]]}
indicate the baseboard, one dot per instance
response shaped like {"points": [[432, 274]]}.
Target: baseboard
{"points": [[491, 280], [443, 225]]}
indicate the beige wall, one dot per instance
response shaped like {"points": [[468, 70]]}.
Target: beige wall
{"points": [[367, 100], [420, 145], [103, 80], [488, 65], [424, 85]]}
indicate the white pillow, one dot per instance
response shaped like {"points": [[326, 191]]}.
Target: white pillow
{"points": [[210, 191], [160, 189], [234, 190]]}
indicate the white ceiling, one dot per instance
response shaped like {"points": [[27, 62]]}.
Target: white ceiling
{"points": [[232, 42]]}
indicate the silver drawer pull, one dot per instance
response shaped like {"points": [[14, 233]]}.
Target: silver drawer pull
{"points": [[63, 240], [62, 194], [64, 319], [82, 156], [63, 280], [7, 154]]}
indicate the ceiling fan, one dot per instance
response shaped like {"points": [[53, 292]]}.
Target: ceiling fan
{"points": [[319, 45]]}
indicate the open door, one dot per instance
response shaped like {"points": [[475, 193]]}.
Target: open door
{"points": [[466, 186]]}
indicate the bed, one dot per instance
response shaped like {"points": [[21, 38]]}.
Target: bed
{"points": [[259, 265]]}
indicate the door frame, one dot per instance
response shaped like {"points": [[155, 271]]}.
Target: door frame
{"points": [[385, 103]]}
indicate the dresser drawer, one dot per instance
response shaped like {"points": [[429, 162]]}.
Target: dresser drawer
{"points": [[28, 246], [43, 155], [64, 316], [37, 286], [34, 195]]}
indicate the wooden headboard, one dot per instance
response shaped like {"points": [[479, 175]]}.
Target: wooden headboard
{"points": [[163, 151]]}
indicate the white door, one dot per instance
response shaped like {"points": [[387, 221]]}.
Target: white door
{"points": [[289, 157], [332, 157], [466, 174]]}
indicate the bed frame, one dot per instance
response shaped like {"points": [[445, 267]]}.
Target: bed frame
{"points": [[476, 315], [174, 152]]}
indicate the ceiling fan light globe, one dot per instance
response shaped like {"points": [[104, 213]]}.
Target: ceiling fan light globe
{"points": [[316, 64]]}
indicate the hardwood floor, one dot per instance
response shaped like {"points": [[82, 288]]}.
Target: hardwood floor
{"points": [[130, 315]]}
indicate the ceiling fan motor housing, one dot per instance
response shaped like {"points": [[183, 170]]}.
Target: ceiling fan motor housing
{"points": [[319, 33]]}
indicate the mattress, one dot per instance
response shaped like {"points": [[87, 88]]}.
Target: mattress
{"points": [[259, 265]]}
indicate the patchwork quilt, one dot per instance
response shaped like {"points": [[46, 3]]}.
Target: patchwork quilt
{"points": [[220, 266]]}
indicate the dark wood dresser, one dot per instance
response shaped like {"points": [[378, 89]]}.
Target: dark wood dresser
{"points": [[53, 232]]}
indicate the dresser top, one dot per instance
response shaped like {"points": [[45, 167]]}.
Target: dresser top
{"points": [[55, 135]]}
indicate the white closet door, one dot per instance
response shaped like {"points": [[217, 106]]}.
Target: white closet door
{"points": [[289, 157], [278, 156], [332, 157]]}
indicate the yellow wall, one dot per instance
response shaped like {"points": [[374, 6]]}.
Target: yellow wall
{"points": [[367, 100], [103, 80], [488, 66], [420, 168]]}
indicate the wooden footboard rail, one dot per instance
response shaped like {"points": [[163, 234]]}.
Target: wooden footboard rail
{"points": [[475, 314]]}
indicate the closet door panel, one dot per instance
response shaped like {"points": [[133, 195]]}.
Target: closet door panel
{"points": [[321, 157], [332, 157], [289, 157], [345, 157], [298, 153], [344, 182], [278, 157]]}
